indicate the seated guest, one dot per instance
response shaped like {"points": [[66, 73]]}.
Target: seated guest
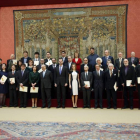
{"points": [[3, 86], [98, 85], [133, 61], [106, 57], [86, 76], [61, 82], [22, 77], [86, 64], [92, 57], [77, 61], [69, 64], [13, 87], [34, 81], [74, 84], [25, 58], [42, 62], [0, 64], [127, 72], [138, 83], [110, 79], [118, 64], [106, 67], [99, 62], [48, 57], [29, 68], [46, 81], [19, 63], [36, 56], [10, 62], [64, 58]]}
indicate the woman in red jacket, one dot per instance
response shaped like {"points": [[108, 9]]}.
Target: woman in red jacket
{"points": [[77, 61]]}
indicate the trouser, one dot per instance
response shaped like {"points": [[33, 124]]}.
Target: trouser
{"points": [[98, 92], [23, 99], [59, 90], [13, 97], [130, 89], [111, 92], [139, 93], [86, 96], [46, 92]]}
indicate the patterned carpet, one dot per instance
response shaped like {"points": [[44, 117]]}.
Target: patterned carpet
{"points": [[68, 131]]}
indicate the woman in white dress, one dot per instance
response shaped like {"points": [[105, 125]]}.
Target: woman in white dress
{"points": [[74, 84]]}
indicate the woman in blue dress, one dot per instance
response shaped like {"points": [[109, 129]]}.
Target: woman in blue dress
{"points": [[3, 86]]}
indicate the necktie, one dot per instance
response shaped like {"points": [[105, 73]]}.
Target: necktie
{"points": [[69, 65], [53, 66], [126, 68], [86, 75], [60, 70], [12, 73], [22, 72], [110, 73], [98, 73], [43, 74]]}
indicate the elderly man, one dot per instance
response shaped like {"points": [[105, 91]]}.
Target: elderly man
{"points": [[92, 57], [106, 57], [46, 85], [106, 67], [111, 77], [40, 64], [127, 75], [86, 64], [10, 62], [134, 61], [99, 62], [86, 76]]}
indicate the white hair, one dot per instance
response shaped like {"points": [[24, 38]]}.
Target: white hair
{"points": [[110, 64], [43, 65], [98, 59], [107, 51], [86, 66], [132, 52]]}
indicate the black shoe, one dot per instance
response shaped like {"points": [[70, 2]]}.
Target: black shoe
{"points": [[4, 105], [58, 106], [84, 106], [124, 107], [20, 106], [108, 108], [101, 107], [49, 107], [43, 107], [89, 106], [115, 107], [15, 106], [24, 107], [95, 107], [131, 108], [63, 107], [138, 108], [11, 106]]}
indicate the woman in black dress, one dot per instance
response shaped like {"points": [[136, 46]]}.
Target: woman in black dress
{"points": [[34, 81], [19, 63]]}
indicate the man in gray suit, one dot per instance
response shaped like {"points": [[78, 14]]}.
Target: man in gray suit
{"points": [[46, 81], [86, 76]]}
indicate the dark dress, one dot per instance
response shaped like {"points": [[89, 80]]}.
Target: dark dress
{"points": [[34, 78], [4, 88], [29, 69]]}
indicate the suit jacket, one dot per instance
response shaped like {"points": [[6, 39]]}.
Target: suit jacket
{"points": [[10, 75], [104, 61], [89, 78], [22, 79], [98, 81], [0, 67], [28, 58], [90, 68], [46, 81], [137, 68], [117, 63], [65, 61], [130, 75], [110, 81], [136, 61], [46, 60], [63, 78]]}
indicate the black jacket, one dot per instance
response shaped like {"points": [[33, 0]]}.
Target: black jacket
{"points": [[90, 68], [117, 64], [136, 61], [10, 75]]}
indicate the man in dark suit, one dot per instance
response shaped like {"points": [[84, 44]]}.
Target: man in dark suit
{"points": [[48, 57], [46, 85], [86, 63], [98, 85], [133, 61], [41, 63], [106, 67], [61, 82], [25, 58], [118, 64], [10, 62], [127, 72], [64, 58], [0, 64], [106, 57], [86, 76], [12, 87], [69, 64], [22, 77], [111, 77], [36, 56]]}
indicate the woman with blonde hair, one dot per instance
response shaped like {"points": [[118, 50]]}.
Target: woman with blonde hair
{"points": [[74, 84]]}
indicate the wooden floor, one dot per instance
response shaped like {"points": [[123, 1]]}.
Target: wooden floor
{"points": [[70, 115]]}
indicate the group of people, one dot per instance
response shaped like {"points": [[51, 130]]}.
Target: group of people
{"points": [[93, 74]]}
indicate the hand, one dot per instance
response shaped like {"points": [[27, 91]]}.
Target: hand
{"points": [[33, 87], [70, 86], [21, 85], [86, 86], [66, 84], [32, 84], [123, 85], [79, 86], [2, 83], [131, 85], [116, 87], [55, 85], [16, 88]]}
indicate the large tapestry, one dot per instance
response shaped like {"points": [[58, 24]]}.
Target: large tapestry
{"points": [[72, 30]]}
